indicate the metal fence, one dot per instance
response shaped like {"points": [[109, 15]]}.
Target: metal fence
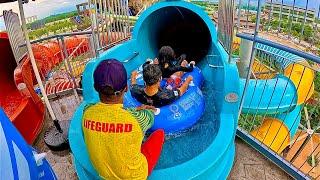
{"points": [[280, 107], [111, 23], [61, 59], [296, 21], [12, 23]]}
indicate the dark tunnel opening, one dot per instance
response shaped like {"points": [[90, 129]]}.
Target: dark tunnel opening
{"points": [[182, 29], [186, 33]]}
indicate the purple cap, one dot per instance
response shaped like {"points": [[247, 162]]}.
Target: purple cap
{"points": [[111, 73]]}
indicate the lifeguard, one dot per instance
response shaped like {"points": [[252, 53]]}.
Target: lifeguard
{"points": [[114, 134]]}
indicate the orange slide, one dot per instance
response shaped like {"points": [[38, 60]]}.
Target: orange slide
{"points": [[49, 55], [17, 97]]}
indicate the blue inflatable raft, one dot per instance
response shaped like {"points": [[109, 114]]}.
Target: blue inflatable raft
{"points": [[181, 114]]}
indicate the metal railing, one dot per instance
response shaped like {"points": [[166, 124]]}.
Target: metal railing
{"points": [[12, 23], [297, 21], [111, 22], [59, 60], [280, 107], [65, 55], [68, 53]]}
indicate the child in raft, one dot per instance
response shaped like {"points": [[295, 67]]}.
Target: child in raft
{"points": [[114, 134], [173, 69], [152, 93]]}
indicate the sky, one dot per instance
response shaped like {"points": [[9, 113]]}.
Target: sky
{"points": [[44, 8], [41, 8]]}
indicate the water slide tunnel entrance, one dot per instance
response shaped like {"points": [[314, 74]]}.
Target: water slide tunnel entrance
{"points": [[178, 27]]}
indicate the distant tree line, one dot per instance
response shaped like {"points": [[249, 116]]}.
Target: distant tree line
{"points": [[54, 18], [59, 17], [53, 28]]}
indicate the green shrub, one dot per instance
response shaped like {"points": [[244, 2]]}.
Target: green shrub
{"points": [[309, 160]]}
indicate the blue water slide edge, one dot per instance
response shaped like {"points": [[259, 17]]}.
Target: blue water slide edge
{"points": [[198, 10], [12, 135], [214, 154], [219, 143], [211, 157], [291, 120]]}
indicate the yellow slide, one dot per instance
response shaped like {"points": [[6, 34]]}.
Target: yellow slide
{"points": [[262, 71], [302, 77], [270, 134]]}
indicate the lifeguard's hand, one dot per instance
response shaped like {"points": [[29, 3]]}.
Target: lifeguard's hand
{"points": [[134, 74], [143, 107], [192, 63]]}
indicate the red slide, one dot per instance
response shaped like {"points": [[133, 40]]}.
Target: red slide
{"points": [[24, 108], [17, 96]]}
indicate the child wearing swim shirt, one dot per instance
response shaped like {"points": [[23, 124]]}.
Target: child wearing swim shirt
{"points": [[172, 68], [152, 93], [114, 134]]}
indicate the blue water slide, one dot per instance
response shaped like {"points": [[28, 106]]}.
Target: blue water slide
{"points": [[283, 58], [276, 97], [269, 96], [19, 159], [291, 119], [188, 29]]}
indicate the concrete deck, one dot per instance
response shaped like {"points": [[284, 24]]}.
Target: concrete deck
{"points": [[249, 164]]}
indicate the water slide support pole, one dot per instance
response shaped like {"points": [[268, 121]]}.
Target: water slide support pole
{"points": [[35, 68], [239, 15], [245, 53], [255, 36], [95, 44]]}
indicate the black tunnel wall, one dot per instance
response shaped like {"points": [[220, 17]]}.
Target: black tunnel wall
{"points": [[179, 28]]}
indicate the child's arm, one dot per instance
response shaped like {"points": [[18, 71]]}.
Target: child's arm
{"points": [[185, 85], [181, 58], [134, 77], [183, 66]]}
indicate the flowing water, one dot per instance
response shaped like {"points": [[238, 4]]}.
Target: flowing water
{"points": [[184, 146]]}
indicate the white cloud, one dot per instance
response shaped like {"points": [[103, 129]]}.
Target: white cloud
{"points": [[41, 8]]}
